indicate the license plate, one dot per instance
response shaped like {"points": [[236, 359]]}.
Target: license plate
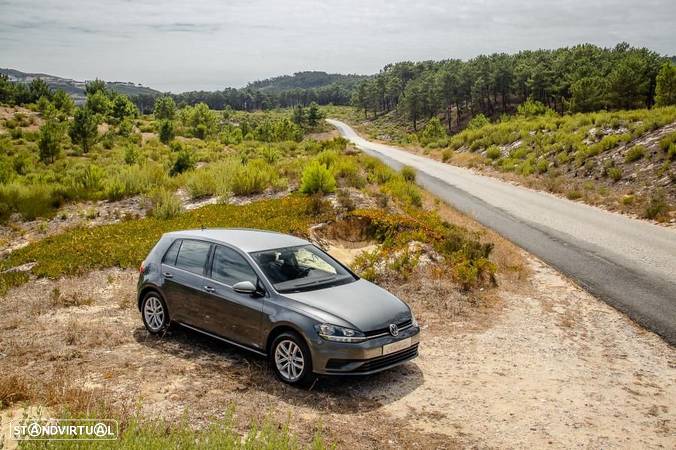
{"points": [[396, 346]]}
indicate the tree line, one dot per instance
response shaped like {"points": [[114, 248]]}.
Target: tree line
{"points": [[251, 98], [571, 79]]}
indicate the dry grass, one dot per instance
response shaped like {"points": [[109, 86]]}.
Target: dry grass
{"points": [[13, 388], [58, 299]]}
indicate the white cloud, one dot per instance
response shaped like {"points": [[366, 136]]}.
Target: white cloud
{"points": [[177, 45]]}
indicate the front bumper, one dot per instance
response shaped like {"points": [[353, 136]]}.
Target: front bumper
{"points": [[363, 358]]}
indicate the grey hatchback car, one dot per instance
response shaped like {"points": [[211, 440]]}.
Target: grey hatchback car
{"points": [[276, 295]]}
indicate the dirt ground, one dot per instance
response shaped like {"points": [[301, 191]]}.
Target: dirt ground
{"points": [[545, 365]]}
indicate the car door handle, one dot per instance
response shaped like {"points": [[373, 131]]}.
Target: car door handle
{"points": [[168, 275], [209, 289]]}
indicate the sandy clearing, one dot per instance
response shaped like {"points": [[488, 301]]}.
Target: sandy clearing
{"points": [[552, 366]]}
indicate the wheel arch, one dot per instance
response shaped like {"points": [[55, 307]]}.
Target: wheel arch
{"points": [[279, 329], [145, 290]]}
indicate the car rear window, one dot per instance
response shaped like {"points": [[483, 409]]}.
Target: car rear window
{"points": [[192, 256]]}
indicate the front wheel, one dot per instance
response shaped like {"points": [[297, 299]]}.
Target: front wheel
{"points": [[290, 359], [155, 313]]}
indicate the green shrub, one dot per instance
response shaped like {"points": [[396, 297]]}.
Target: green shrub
{"points": [[131, 154], [667, 141], [166, 131], [408, 173], [51, 141], [635, 153], [253, 178], [407, 192], [165, 204], [433, 133], [478, 121], [184, 161], [657, 207], [447, 154], [327, 158], [38, 200], [573, 194], [493, 152], [628, 199], [671, 153], [317, 178], [614, 173]]}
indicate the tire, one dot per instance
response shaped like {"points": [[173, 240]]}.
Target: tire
{"points": [[155, 313], [299, 371]]}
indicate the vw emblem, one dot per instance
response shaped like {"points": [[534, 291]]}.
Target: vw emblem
{"points": [[394, 330]]}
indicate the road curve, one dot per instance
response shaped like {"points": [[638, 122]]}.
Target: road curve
{"points": [[629, 263]]}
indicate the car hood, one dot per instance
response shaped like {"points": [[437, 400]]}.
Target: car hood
{"points": [[364, 305]]}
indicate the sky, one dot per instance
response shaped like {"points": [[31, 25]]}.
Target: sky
{"points": [[179, 45]]}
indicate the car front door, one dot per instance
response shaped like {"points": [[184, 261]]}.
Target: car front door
{"points": [[183, 272], [233, 315]]}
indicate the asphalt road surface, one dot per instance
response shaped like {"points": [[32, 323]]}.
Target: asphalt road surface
{"points": [[629, 263]]}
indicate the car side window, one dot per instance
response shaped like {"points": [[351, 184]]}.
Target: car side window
{"points": [[170, 256], [192, 256], [229, 267]]}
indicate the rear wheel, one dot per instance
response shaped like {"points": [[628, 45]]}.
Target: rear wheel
{"points": [[155, 314], [290, 359]]}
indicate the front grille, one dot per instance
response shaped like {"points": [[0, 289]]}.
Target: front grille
{"points": [[386, 330], [376, 363]]}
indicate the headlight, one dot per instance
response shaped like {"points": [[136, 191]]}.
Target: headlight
{"points": [[339, 334], [414, 322]]}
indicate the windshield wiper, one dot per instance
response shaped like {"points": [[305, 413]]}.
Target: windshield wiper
{"points": [[308, 283]]}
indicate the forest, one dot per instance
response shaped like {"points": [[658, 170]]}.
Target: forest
{"points": [[582, 78]]}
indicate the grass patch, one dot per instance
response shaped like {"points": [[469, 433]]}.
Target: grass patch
{"points": [[125, 244], [139, 433]]}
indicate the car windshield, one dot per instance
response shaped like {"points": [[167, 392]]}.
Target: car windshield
{"points": [[302, 268]]}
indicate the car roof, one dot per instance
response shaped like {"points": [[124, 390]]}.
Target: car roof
{"points": [[246, 239]]}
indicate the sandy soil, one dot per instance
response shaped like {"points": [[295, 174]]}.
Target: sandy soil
{"points": [[545, 365]]}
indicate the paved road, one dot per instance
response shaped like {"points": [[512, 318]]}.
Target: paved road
{"points": [[628, 263]]}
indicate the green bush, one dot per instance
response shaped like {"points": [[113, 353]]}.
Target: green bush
{"points": [[447, 154], [614, 173], [635, 153], [493, 152], [253, 178], [573, 194], [317, 178], [477, 122], [31, 202], [657, 207], [408, 173], [166, 131], [184, 161], [165, 204], [407, 192]]}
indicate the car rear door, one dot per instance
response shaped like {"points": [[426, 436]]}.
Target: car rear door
{"points": [[233, 315], [184, 280]]}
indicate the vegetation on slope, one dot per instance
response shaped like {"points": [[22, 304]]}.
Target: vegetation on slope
{"points": [[623, 159]]}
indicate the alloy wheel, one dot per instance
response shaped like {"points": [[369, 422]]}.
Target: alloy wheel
{"points": [[153, 312], [289, 360]]}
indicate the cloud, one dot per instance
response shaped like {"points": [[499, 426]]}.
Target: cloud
{"points": [[208, 44]]}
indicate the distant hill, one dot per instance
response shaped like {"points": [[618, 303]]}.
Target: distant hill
{"points": [[305, 80], [77, 88]]}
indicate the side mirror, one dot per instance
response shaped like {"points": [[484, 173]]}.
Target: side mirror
{"points": [[244, 287]]}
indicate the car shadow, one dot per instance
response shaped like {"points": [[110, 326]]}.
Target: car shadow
{"points": [[337, 394]]}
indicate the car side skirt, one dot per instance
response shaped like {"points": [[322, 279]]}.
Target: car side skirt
{"points": [[220, 338]]}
